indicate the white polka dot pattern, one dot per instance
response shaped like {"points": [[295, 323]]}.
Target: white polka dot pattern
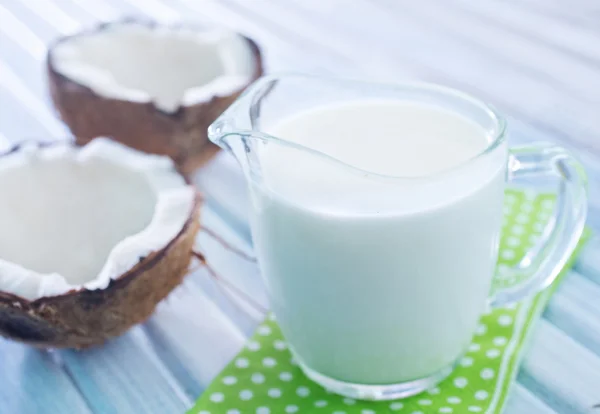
{"points": [[265, 379]]}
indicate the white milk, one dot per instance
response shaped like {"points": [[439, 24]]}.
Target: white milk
{"points": [[378, 280]]}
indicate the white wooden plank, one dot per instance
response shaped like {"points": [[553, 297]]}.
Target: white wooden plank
{"points": [[518, 51], [453, 63], [101, 10], [559, 11], [158, 10], [339, 53], [13, 118], [85, 12], [277, 46], [348, 53], [51, 14], [529, 93], [21, 34], [122, 7], [560, 371], [575, 41], [23, 63], [5, 143], [24, 50], [20, 92]]}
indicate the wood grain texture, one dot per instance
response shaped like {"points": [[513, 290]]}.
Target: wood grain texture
{"points": [[560, 371], [125, 376], [34, 381], [537, 60], [523, 401]]}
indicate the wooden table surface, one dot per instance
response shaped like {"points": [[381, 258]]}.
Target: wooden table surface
{"points": [[538, 61]]}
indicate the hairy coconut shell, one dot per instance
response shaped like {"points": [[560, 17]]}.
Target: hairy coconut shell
{"points": [[82, 318], [181, 135]]}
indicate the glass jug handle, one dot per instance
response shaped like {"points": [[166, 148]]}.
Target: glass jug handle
{"points": [[543, 262]]}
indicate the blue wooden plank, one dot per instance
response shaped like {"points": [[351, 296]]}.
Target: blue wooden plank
{"points": [[286, 47], [233, 305], [207, 313], [37, 107], [33, 382], [575, 309], [84, 11], [24, 52], [16, 122], [5, 143], [20, 33], [589, 261], [239, 269], [23, 62], [560, 371], [125, 376], [522, 401], [42, 17], [193, 337]]}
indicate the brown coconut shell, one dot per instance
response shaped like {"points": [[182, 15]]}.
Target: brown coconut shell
{"points": [[181, 135], [83, 318]]}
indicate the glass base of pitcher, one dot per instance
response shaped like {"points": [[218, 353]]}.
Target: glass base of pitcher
{"points": [[376, 392]]}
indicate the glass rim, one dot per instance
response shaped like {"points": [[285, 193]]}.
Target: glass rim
{"points": [[218, 132]]}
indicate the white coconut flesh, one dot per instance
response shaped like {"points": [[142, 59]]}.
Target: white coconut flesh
{"points": [[168, 66], [76, 218]]}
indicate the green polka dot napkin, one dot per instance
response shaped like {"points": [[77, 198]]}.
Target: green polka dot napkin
{"points": [[263, 378]]}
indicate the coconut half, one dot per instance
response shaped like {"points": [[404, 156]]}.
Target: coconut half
{"points": [[154, 88], [92, 239]]}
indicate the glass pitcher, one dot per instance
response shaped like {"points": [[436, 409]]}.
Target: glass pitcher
{"points": [[378, 280]]}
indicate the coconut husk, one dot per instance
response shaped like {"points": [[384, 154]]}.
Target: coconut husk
{"points": [[82, 318], [181, 135]]}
